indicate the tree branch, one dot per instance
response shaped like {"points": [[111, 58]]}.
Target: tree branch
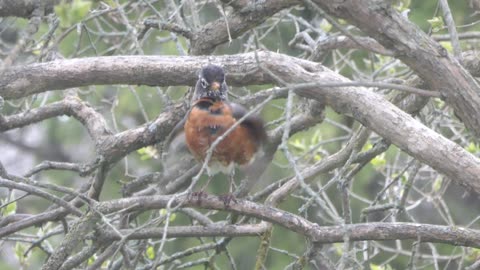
{"points": [[370, 109], [411, 45], [24, 8], [316, 233]]}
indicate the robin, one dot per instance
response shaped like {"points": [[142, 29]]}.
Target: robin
{"points": [[210, 117]]}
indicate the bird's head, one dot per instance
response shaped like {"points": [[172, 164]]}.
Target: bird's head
{"points": [[211, 83]]}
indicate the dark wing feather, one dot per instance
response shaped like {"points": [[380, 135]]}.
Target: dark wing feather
{"points": [[253, 122]]}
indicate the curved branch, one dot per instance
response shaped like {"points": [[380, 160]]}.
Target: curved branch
{"points": [[368, 108], [420, 52], [245, 18], [321, 234], [33, 116]]}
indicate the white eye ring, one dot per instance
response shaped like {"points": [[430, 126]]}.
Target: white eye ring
{"points": [[203, 82]]}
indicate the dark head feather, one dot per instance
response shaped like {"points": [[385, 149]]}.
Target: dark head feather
{"points": [[211, 84]]}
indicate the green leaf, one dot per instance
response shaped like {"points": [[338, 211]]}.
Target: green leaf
{"points": [[379, 161], [367, 147], [437, 184], [406, 3], [150, 252], [325, 26], [317, 137], [436, 23], [19, 252], [298, 145], [80, 9], [472, 255], [105, 264], [148, 152], [11, 208], [338, 248], [61, 10], [447, 45], [91, 260], [402, 5], [438, 103], [472, 148], [404, 178]]}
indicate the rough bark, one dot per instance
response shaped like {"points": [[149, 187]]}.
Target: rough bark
{"points": [[24, 8], [416, 49], [369, 108]]}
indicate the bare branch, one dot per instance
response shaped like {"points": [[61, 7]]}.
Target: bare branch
{"points": [[24, 8], [365, 106], [320, 234], [411, 45]]}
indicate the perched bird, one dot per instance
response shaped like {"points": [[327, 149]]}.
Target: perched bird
{"points": [[210, 117]]}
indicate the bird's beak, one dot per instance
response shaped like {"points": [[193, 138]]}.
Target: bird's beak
{"points": [[215, 86]]}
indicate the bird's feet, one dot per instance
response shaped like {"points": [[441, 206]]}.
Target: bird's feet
{"points": [[198, 194], [227, 198]]}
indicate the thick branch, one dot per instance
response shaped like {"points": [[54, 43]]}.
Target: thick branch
{"points": [[369, 108], [425, 56], [316, 233], [24, 8], [33, 116], [246, 18]]}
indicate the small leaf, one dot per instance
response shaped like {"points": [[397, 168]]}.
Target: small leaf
{"points": [[91, 260], [338, 248], [325, 26], [367, 147], [447, 45], [150, 252], [148, 152], [436, 23], [79, 10], [438, 103], [437, 184], [472, 148], [11, 208], [298, 145], [404, 179], [105, 264], [61, 11], [473, 255], [19, 253], [379, 161], [316, 138]]}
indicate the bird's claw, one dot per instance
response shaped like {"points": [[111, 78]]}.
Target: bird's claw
{"points": [[227, 198], [198, 194]]}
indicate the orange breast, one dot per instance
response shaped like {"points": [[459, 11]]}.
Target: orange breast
{"points": [[205, 125]]}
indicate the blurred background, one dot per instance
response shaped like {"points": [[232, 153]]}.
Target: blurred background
{"points": [[79, 28]]}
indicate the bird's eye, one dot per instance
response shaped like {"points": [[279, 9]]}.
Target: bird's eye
{"points": [[203, 82]]}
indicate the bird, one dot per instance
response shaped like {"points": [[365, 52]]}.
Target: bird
{"points": [[210, 117]]}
